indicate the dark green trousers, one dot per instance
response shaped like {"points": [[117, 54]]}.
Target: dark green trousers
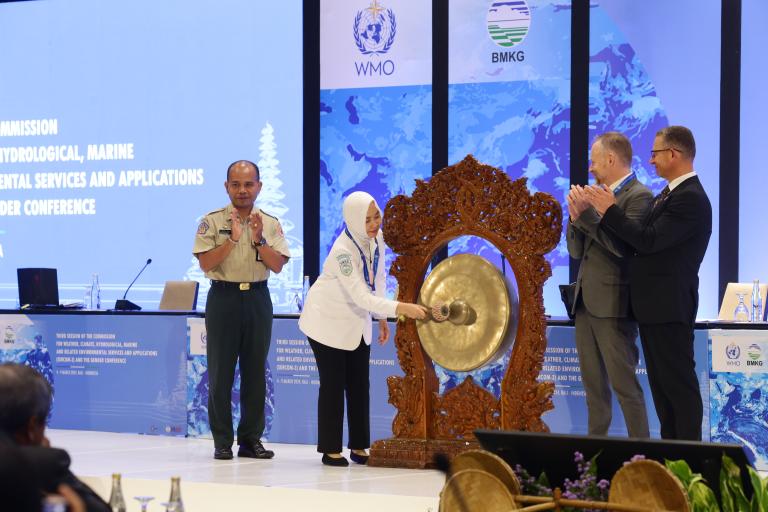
{"points": [[239, 326]]}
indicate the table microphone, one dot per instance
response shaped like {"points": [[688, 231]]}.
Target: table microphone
{"points": [[126, 305]]}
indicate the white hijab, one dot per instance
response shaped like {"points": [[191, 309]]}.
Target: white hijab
{"points": [[355, 210]]}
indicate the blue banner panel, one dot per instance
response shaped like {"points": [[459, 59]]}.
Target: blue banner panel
{"points": [[375, 105], [738, 387], [133, 373], [292, 387], [110, 373], [622, 96], [561, 365], [378, 140], [509, 105], [636, 88]]}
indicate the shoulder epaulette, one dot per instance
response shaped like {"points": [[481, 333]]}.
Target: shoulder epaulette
{"points": [[268, 215]]}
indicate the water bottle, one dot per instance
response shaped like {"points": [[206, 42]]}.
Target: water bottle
{"points": [[87, 298], [95, 292], [116, 500], [757, 302], [304, 291], [298, 304], [175, 498]]}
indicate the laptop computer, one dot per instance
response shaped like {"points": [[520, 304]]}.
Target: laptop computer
{"points": [[38, 287]]}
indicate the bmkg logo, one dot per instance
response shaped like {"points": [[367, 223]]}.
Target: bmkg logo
{"points": [[732, 351], [10, 335], [508, 22], [754, 352], [374, 29]]}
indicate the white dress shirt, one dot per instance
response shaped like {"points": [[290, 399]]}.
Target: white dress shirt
{"points": [[677, 181]]}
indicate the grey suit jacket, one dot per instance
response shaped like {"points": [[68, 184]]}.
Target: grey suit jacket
{"points": [[603, 280]]}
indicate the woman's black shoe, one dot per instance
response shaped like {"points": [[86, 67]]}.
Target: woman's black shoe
{"points": [[335, 461], [360, 459]]}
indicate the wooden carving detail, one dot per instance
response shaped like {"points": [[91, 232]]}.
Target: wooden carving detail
{"points": [[470, 198], [464, 409]]}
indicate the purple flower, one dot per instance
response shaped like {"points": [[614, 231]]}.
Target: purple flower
{"points": [[585, 487]]}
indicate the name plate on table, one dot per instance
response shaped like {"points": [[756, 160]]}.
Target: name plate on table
{"points": [[739, 351], [197, 336]]}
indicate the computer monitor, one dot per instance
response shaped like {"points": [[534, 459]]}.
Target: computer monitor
{"points": [[554, 454], [38, 287]]}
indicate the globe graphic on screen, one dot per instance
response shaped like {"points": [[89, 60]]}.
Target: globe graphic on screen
{"points": [[373, 30]]}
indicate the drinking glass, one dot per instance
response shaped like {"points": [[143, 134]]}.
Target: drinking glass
{"points": [[741, 313], [144, 501]]}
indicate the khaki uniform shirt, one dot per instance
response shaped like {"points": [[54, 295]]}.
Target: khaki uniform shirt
{"points": [[243, 264]]}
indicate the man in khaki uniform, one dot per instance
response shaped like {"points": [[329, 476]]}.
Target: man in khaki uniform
{"points": [[237, 246]]}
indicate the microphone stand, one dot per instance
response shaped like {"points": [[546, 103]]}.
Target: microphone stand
{"points": [[126, 305]]}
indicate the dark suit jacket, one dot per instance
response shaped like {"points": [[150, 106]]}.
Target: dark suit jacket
{"points": [[603, 280], [50, 467], [669, 245], [19, 491]]}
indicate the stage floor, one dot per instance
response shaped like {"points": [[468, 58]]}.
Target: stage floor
{"points": [[294, 480]]}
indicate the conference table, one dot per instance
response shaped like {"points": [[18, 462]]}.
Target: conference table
{"points": [[146, 372]]}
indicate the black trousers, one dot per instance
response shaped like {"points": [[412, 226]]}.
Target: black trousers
{"points": [[239, 326], [668, 350], [342, 372]]}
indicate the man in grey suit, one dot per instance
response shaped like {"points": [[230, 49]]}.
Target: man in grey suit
{"points": [[605, 330]]}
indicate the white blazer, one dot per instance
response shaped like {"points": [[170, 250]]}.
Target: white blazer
{"points": [[338, 307]]}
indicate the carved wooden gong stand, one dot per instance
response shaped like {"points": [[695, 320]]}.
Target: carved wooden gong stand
{"points": [[468, 198]]}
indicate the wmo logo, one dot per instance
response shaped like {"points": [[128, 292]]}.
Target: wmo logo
{"points": [[508, 22], [732, 352], [374, 31]]}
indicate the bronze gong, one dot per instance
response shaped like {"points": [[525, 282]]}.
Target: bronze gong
{"points": [[474, 313]]}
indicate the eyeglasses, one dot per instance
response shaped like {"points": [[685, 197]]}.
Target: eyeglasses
{"points": [[654, 151]]}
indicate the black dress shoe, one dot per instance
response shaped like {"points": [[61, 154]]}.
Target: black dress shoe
{"points": [[360, 459], [335, 461], [222, 453], [255, 451]]}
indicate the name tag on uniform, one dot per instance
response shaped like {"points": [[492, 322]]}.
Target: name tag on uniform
{"points": [[225, 231]]}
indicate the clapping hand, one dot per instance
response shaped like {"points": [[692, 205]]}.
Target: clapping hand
{"points": [[577, 202], [237, 226], [600, 197], [257, 227]]}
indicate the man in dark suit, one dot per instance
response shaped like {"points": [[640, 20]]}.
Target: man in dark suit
{"points": [[605, 332], [669, 245], [25, 401]]}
